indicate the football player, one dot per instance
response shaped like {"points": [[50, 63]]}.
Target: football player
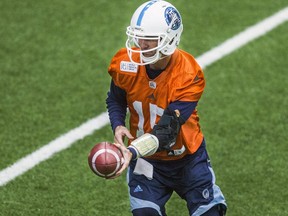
{"points": [[161, 85]]}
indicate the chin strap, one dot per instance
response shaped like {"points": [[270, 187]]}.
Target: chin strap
{"points": [[150, 60]]}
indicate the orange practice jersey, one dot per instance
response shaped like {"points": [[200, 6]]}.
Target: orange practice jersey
{"points": [[182, 80]]}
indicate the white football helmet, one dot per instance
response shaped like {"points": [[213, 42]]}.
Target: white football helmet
{"points": [[154, 20]]}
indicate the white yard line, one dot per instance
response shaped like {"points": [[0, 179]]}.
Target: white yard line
{"points": [[59, 144], [66, 140], [243, 38]]}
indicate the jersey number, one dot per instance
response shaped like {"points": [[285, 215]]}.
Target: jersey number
{"points": [[154, 111]]}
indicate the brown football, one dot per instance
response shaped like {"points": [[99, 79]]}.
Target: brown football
{"points": [[105, 159]]}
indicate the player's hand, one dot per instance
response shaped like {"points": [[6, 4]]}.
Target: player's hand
{"points": [[120, 133], [127, 156]]}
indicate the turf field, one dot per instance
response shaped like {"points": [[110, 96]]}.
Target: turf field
{"points": [[53, 61]]}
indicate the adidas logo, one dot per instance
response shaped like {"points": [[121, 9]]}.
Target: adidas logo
{"points": [[138, 189], [152, 97]]}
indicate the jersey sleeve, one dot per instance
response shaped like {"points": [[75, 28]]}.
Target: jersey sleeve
{"points": [[116, 105], [189, 84], [122, 71]]}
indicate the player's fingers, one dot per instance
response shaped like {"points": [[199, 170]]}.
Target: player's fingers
{"points": [[122, 131], [129, 135], [127, 155], [117, 174], [117, 140], [120, 146], [123, 167]]}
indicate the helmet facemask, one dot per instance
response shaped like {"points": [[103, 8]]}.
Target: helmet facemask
{"points": [[134, 49], [157, 21]]}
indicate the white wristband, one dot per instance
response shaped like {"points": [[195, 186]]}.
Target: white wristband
{"points": [[145, 145]]}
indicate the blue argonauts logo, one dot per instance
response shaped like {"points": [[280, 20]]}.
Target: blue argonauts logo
{"points": [[172, 15]]}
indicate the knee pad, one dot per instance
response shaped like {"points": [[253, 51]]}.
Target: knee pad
{"points": [[145, 212]]}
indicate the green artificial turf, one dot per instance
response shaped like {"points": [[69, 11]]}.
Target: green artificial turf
{"points": [[53, 77]]}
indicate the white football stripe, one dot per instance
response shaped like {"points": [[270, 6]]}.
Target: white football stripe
{"points": [[118, 161], [66, 140], [94, 158], [61, 143], [100, 152]]}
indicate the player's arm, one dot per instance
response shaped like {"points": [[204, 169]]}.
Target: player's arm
{"points": [[117, 107], [164, 134], [168, 127]]}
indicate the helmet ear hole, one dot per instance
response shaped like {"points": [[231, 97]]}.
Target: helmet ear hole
{"points": [[172, 40]]}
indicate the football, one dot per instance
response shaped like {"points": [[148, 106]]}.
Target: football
{"points": [[105, 159]]}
